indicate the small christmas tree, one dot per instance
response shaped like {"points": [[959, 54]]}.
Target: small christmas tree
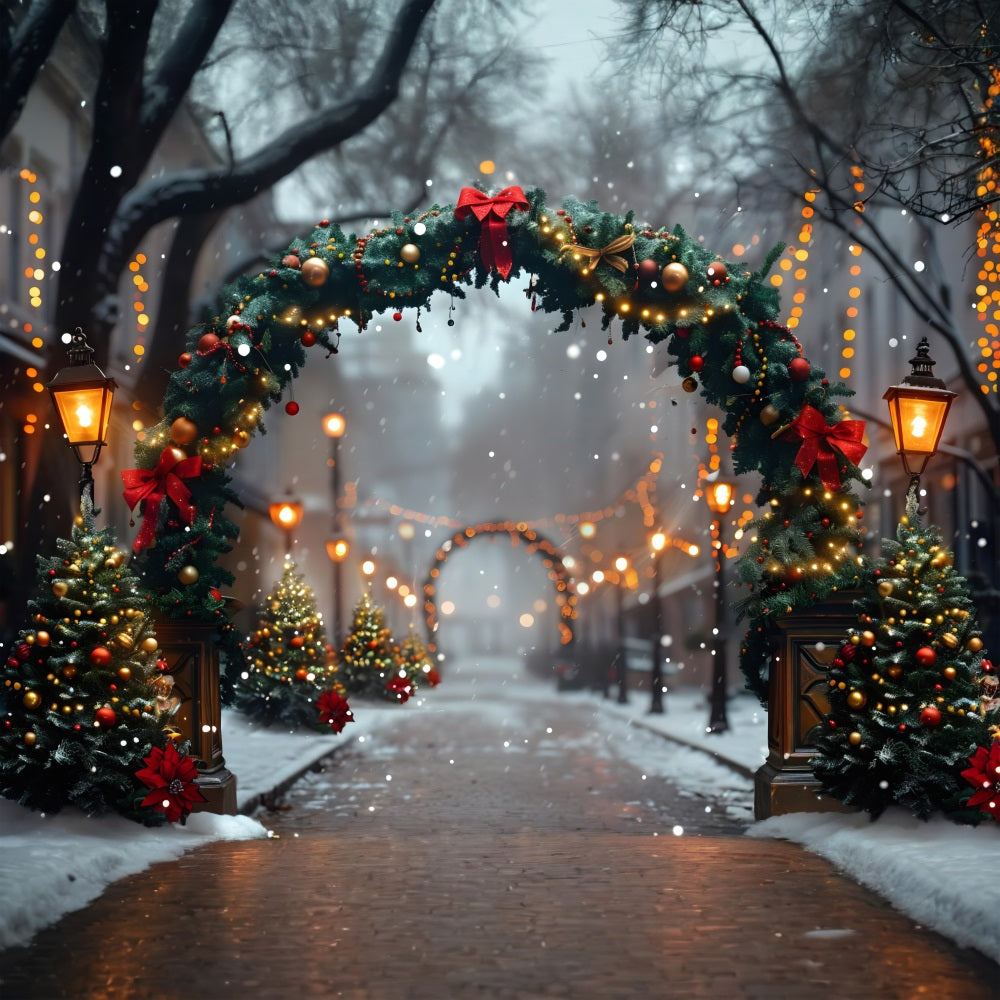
{"points": [[416, 663], [904, 688], [78, 712], [369, 658], [290, 664]]}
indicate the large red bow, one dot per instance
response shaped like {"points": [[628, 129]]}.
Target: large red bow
{"points": [[494, 248], [817, 437], [152, 485]]}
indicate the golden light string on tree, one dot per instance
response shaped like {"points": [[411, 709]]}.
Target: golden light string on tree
{"points": [[988, 251], [142, 320]]}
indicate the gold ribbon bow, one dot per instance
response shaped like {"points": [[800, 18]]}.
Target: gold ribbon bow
{"points": [[611, 254]]}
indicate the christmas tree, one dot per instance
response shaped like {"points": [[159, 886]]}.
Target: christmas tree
{"points": [[415, 662], [290, 664], [369, 657], [905, 688], [79, 712]]}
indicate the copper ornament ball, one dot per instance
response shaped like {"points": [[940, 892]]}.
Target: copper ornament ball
{"points": [[149, 644], [183, 431], [31, 699], [207, 342], [60, 588], [854, 739], [30, 738], [770, 414], [717, 272], [315, 272], [674, 277]]}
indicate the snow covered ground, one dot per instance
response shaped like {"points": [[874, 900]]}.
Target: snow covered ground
{"points": [[938, 873]]}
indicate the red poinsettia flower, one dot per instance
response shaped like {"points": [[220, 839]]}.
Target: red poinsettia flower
{"points": [[401, 687], [432, 677], [171, 778], [985, 776], [334, 710]]}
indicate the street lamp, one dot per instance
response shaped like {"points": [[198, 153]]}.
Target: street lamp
{"points": [[719, 496], [621, 564], [657, 542], [82, 395], [918, 407], [287, 515], [337, 548]]}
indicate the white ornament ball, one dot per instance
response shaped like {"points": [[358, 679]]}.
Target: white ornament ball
{"points": [[741, 374], [233, 322]]}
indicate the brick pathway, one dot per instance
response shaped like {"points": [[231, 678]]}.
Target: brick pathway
{"points": [[489, 871]]}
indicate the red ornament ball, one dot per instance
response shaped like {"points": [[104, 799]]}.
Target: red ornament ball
{"points": [[925, 656], [649, 271], [291, 408], [988, 667], [930, 717], [184, 360], [697, 362], [308, 338], [100, 656], [291, 260], [216, 596], [301, 674], [397, 316], [296, 642], [799, 369], [207, 343], [23, 651], [716, 272], [105, 716]]}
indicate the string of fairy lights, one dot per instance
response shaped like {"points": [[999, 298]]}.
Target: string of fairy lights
{"points": [[988, 251]]}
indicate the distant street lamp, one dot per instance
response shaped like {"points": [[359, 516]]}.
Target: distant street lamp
{"points": [[719, 496], [287, 515], [82, 395], [621, 564], [657, 542], [918, 408], [337, 548]]}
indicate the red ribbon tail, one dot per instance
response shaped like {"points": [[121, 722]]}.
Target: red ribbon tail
{"points": [[805, 458], [495, 230], [826, 463], [147, 531]]}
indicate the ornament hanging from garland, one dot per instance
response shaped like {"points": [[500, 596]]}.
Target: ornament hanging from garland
{"points": [[719, 320]]}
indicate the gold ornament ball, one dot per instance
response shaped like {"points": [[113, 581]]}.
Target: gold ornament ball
{"points": [[125, 640], [884, 588], [188, 575], [690, 384], [950, 639], [854, 739], [30, 738], [674, 277], [43, 638], [856, 699], [950, 672], [124, 673], [31, 699], [410, 253], [895, 671], [241, 439], [60, 588], [868, 638], [315, 272], [149, 644], [770, 415], [975, 644], [183, 431]]}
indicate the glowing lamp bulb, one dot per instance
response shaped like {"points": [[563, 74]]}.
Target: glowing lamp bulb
{"points": [[84, 415]]}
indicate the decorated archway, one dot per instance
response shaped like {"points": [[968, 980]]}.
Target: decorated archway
{"points": [[520, 534], [719, 319]]}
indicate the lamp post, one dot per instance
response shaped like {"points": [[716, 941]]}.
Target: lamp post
{"points": [[287, 515], [621, 564], [337, 548], [657, 543], [82, 395], [918, 407], [719, 496]]}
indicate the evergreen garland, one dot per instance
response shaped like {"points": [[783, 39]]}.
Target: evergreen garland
{"points": [[719, 319], [905, 687], [78, 711]]}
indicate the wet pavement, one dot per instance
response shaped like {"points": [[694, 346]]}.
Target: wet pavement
{"points": [[494, 848]]}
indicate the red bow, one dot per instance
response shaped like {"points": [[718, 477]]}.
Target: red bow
{"points": [[817, 437], [494, 248], [152, 485]]}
